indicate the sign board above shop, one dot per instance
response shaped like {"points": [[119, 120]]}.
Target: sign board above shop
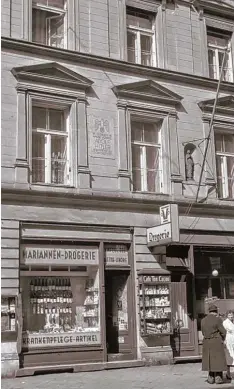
{"points": [[116, 255], [168, 231], [59, 255]]}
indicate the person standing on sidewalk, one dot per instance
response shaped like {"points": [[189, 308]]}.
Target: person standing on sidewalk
{"points": [[213, 354], [229, 342]]}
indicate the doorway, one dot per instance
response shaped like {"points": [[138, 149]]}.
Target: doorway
{"points": [[118, 304]]}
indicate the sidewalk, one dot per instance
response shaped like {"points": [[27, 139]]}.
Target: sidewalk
{"points": [[182, 376]]}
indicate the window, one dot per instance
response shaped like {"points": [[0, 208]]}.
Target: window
{"points": [[224, 144], [140, 37], [50, 146], [146, 156], [49, 20], [217, 42]]}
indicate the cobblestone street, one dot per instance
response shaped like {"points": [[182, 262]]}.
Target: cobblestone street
{"points": [[183, 376]]}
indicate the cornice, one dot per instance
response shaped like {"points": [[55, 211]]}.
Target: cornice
{"points": [[121, 201], [56, 54]]}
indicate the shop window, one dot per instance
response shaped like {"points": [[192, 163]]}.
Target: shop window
{"points": [[62, 310], [49, 19], [217, 42], [146, 156], [140, 37], [224, 145], [50, 146]]}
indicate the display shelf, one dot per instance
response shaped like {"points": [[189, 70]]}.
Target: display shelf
{"points": [[155, 304]]}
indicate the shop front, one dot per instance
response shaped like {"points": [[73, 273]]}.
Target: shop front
{"points": [[77, 298], [200, 275]]}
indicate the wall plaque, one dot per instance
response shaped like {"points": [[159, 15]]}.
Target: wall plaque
{"points": [[59, 255], [116, 255], [102, 138]]}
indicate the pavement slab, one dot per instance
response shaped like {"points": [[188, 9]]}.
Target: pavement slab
{"points": [[179, 376]]}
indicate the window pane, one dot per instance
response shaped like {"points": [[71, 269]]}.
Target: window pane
{"points": [[219, 163], [151, 181], [58, 160], [136, 156], [216, 40], [211, 62], [137, 131], [131, 37], [137, 178], [139, 19], [146, 44], [230, 174], [38, 118], [50, 3], [55, 31], [38, 157], [56, 120], [39, 26], [152, 158], [151, 134], [228, 143], [219, 142]]}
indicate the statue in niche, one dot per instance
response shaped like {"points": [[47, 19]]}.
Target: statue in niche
{"points": [[189, 165]]}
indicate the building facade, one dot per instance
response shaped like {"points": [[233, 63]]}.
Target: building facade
{"points": [[106, 112]]}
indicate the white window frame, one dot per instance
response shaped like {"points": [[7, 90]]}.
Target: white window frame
{"points": [[216, 66], [58, 12], [138, 31], [224, 178], [48, 133], [144, 186]]}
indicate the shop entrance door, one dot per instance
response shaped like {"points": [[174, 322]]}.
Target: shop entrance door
{"points": [[119, 341], [183, 339]]}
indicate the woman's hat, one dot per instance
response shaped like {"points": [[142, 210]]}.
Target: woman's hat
{"points": [[213, 308]]}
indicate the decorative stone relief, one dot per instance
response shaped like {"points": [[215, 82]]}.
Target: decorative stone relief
{"points": [[102, 138]]}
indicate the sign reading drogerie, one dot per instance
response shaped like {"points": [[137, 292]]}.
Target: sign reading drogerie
{"points": [[59, 255]]}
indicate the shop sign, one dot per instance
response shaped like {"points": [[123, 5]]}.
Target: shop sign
{"points": [[116, 255], [215, 262], [59, 255], [60, 339], [168, 230]]}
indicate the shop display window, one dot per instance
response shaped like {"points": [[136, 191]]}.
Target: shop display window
{"points": [[8, 308], [61, 310], [155, 305]]}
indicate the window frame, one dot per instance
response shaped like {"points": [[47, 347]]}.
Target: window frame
{"points": [[216, 49], [58, 12], [49, 103], [143, 119], [224, 177], [138, 31]]}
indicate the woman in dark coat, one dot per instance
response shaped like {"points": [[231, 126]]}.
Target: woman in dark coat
{"points": [[213, 355]]}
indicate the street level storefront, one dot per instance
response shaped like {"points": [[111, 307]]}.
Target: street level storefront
{"points": [[76, 296]]}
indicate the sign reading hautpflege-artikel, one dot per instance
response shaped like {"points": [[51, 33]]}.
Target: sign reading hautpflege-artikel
{"points": [[168, 231], [59, 255]]}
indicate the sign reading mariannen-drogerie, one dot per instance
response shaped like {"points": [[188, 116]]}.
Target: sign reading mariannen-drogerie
{"points": [[59, 255]]}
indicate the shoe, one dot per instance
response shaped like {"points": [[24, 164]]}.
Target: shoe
{"points": [[210, 380], [218, 380]]}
